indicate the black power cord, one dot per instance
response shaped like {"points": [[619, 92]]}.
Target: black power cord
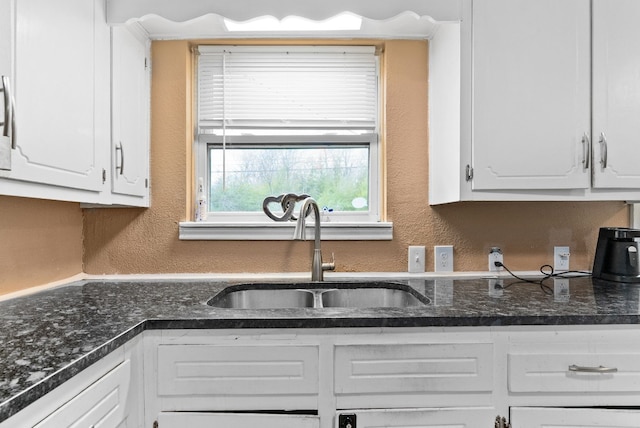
{"points": [[546, 275]]}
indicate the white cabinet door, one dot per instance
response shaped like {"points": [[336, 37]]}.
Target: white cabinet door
{"points": [[239, 420], [130, 113], [60, 93], [531, 94], [6, 37], [103, 404], [6, 77], [523, 417], [616, 94], [422, 418]]}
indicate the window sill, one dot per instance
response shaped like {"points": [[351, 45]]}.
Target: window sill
{"points": [[210, 231]]}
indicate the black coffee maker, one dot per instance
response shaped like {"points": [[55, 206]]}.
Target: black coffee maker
{"points": [[617, 255]]}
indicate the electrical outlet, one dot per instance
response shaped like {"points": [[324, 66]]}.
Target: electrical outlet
{"points": [[443, 258], [416, 259], [495, 255], [561, 258]]}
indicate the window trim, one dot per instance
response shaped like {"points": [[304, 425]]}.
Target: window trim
{"points": [[349, 226]]}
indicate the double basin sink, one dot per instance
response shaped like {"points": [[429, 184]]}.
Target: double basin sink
{"points": [[318, 295]]}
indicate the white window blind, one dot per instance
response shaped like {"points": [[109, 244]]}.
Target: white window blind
{"points": [[287, 87]]}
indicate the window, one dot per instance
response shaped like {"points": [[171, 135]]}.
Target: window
{"points": [[288, 119]]}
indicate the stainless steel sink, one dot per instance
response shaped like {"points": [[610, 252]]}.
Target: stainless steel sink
{"points": [[263, 298], [369, 298], [318, 295]]}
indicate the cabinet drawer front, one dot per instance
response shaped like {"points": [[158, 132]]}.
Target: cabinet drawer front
{"points": [[237, 420], [453, 417], [541, 417], [531, 372], [413, 368], [102, 404], [237, 370]]}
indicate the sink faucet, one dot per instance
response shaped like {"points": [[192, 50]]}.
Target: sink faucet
{"points": [[317, 266], [288, 202]]}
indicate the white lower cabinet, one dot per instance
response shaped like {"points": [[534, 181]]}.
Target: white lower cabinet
{"points": [[522, 417], [418, 418], [412, 377], [588, 378], [475, 377], [102, 404], [237, 420]]}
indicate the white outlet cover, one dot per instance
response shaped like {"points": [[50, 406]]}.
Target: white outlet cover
{"points": [[443, 258], [561, 257], [495, 256]]}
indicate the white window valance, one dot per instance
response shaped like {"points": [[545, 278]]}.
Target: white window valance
{"points": [[122, 11]]}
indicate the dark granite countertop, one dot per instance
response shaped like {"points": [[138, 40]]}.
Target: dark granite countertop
{"points": [[49, 336]]}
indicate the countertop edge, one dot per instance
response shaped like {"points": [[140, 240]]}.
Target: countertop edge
{"points": [[30, 395]]}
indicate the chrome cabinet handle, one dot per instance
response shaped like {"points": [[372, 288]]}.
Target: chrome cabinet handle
{"points": [[599, 369], [120, 149], [7, 106], [586, 149], [604, 150], [9, 122]]}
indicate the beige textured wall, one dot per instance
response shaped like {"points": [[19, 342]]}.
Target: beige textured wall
{"points": [[146, 241], [40, 242]]}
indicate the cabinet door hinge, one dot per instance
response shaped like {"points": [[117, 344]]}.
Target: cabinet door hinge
{"points": [[469, 173], [146, 183], [104, 175], [501, 422], [146, 63]]}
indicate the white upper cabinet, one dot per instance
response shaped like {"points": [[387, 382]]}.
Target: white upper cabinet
{"points": [[130, 116], [616, 94], [531, 97], [6, 77], [81, 104], [6, 39], [518, 111], [60, 82], [61, 92]]}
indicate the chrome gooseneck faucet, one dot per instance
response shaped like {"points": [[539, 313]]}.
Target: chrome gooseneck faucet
{"points": [[317, 266], [308, 204]]}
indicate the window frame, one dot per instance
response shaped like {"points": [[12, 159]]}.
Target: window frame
{"points": [[362, 225], [371, 140]]}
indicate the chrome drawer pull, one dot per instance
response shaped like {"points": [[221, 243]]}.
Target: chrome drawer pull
{"points": [[599, 369]]}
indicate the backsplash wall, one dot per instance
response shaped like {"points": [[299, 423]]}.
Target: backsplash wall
{"points": [[40, 242], [146, 240]]}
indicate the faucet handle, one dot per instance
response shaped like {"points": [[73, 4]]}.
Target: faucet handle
{"points": [[330, 265]]}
